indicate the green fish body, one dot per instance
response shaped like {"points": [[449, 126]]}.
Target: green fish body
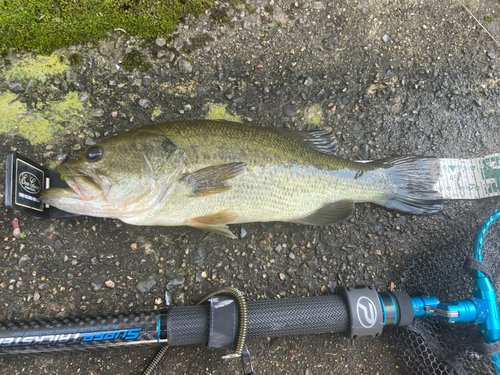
{"points": [[208, 174]]}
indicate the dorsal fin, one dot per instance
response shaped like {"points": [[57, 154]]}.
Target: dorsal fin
{"points": [[320, 140]]}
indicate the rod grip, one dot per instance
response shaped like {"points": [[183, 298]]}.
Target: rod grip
{"points": [[188, 325]]}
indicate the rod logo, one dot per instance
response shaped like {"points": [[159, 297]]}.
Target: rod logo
{"points": [[27, 339], [367, 313]]}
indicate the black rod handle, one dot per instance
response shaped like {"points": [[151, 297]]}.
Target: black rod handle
{"points": [[189, 325]]}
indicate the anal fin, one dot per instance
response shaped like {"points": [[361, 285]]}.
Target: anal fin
{"points": [[215, 222], [329, 213]]}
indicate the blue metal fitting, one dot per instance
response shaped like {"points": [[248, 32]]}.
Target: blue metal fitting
{"points": [[420, 304], [466, 311], [478, 244], [496, 362], [484, 290], [489, 313]]}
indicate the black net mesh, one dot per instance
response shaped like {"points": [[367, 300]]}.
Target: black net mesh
{"points": [[434, 346]]}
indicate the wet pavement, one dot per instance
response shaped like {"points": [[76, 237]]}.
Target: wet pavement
{"points": [[390, 78]]}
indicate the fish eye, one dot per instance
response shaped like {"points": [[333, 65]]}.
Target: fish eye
{"points": [[94, 153]]}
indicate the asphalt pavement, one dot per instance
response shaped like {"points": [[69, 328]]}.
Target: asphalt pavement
{"points": [[390, 78]]}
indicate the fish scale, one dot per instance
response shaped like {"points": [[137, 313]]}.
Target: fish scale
{"points": [[266, 196]]}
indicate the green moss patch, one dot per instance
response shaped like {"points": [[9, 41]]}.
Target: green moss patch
{"points": [[69, 109], [75, 58], [136, 60], [219, 15], [39, 68], [157, 112], [313, 114], [41, 125], [10, 109], [37, 129], [218, 112], [201, 40], [250, 9], [45, 25]]}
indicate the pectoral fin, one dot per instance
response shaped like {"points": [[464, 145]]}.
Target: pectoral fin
{"points": [[329, 213], [213, 179], [215, 222]]}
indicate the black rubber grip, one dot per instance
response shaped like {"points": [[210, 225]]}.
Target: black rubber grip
{"points": [[297, 316], [273, 318], [406, 312], [188, 325]]}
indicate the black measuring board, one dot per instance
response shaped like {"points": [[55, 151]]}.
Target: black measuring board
{"points": [[24, 182]]}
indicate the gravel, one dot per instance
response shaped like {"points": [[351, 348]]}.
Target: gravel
{"points": [[146, 284], [14, 86], [97, 282], [168, 298], [199, 278], [197, 256], [147, 80], [97, 113], [31, 85], [160, 42], [185, 67], [24, 261], [289, 111], [175, 282], [84, 96], [365, 151], [144, 103], [110, 284]]}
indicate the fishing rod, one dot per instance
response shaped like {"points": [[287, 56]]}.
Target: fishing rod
{"points": [[224, 320]]}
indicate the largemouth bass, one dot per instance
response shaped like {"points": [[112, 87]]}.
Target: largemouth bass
{"points": [[207, 174]]}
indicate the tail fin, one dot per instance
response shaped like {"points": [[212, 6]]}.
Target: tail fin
{"points": [[411, 184]]}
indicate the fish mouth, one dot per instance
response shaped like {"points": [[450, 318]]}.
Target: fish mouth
{"points": [[57, 194], [80, 185]]}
